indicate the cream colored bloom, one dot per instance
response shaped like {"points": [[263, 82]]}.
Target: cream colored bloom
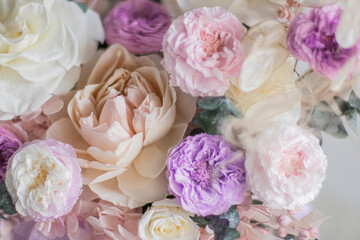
{"points": [[279, 85], [42, 45], [265, 50], [123, 123], [165, 220]]}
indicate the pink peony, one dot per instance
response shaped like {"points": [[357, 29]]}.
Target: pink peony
{"points": [[43, 179], [285, 166], [202, 51]]}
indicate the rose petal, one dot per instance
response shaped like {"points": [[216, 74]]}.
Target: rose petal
{"points": [[151, 160], [141, 188]]}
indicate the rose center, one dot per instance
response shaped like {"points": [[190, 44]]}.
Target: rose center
{"points": [[292, 163], [211, 43], [202, 173]]}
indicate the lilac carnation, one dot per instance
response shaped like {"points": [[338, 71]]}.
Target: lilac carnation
{"points": [[311, 38], [206, 175], [138, 25], [9, 143]]}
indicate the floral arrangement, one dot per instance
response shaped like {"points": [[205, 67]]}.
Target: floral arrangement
{"points": [[172, 119]]}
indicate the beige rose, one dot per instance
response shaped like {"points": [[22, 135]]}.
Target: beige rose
{"points": [[122, 124], [166, 220]]}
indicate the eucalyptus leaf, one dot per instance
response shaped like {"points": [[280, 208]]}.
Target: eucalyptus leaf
{"points": [[354, 101], [224, 225], [5, 201], [208, 121], [291, 237], [210, 103], [324, 118], [82, 5], [342, 104], [351, 118], [256, 202], [228, 234], [233, 216], [214, 111]]}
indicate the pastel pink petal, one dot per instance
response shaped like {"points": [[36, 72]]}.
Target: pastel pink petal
{"points": [[114, 110], [5, 227], [63, 130], [109, 191], [151, 160], [123, 155], [158, 128], [99, 176], [96, 224], [141, 188], [115, 57], [103, 136], [109, 221], [185, 107], [53, 105]]}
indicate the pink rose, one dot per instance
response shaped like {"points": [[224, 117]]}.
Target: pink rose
{"points": [[285, 166], [202, 51]]}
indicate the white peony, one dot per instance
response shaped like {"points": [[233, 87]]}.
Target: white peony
{"points": [[43, 179], [285, 166], [167, 220], [42, 45]]}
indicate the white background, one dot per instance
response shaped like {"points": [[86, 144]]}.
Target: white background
{"points": [[340, 196]]}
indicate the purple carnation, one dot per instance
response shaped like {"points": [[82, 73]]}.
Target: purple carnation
{"points": [[311, 38], [138, 25], [9, 143], [206, 175]]}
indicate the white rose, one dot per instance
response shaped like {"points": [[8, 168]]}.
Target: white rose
{"points": [[42, 45], [167, 220]]}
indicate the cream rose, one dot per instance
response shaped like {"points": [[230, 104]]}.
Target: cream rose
{"points": [[167, 220], [123, 123], [40, 174], [42, 44]]}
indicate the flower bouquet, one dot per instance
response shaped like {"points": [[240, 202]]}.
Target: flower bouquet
{"points": [[172, 119]]}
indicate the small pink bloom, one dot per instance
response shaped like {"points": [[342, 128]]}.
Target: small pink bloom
{"points": [[202, 51], [284, 220], [304, 234], [280, 232]]}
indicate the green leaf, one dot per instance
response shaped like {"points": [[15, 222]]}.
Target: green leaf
{"points": [[233, 216], [208, 121], [5, 201], [224, 225], [342, 104], [214, 111], [210, 103], [324, 118], [291, 237], [354, 101], [256, 202], [228, 234], [82, 5], [351, 118]]}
